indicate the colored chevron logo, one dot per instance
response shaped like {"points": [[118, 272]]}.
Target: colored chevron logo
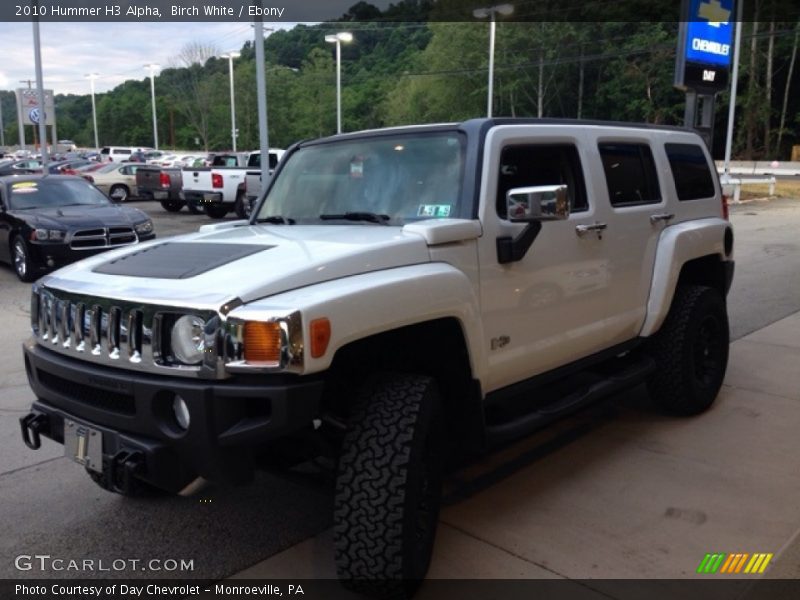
{"points": [[736, 563]]}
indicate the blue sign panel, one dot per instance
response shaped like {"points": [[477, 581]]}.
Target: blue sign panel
{"points": [[709, 33]]}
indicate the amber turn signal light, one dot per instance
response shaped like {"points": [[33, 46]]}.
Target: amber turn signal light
{"points": [[320, 334], [262, 342]]}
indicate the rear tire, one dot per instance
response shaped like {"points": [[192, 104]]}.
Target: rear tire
{"points": [[119, 193], [388, 487], [242, 206], [172, 206], [216, 211], [691, 351]]}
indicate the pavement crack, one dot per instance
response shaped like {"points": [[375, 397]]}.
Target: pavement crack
{"points": [[527, 560], [44, 462]]}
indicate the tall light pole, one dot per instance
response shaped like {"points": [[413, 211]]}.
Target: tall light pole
{"points": [[152, 67], [2, 126], [491, 12], [230, 56], [91, 77], [338, 38], [732, 103]]}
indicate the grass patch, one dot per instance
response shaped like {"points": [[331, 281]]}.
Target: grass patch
{"points": [[783, 189]]}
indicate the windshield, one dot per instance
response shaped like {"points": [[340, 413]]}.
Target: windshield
{"points": [[405, 177], [47, 193]]}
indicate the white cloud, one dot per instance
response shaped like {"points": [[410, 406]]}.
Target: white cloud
{"points": [[117, 51]]}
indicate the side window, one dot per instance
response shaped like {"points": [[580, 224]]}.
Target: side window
{"points": [[690, 171], [630, 174], [273, 160], [122, 151], [542, 164]]}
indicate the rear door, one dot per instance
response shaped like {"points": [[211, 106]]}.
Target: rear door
{"points": [[633, 206], [5, 227]]}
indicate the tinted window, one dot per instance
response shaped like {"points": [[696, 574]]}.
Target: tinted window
{"points": [[551, 164], [630, 174], [690, 171], [121, 151]]}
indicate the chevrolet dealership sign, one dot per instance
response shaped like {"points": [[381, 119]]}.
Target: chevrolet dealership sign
{"points": [[705, 45]]}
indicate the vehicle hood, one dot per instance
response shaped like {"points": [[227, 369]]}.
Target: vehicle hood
{"points": [[81, 217], [205, 270]]}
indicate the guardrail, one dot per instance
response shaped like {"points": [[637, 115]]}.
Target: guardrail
{"points": [[737, 182]]}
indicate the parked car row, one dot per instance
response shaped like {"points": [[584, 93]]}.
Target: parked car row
{"points": [[231, 182]]}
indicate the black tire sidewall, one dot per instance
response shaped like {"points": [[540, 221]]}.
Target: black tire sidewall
{"points": [[708, 305], [30, 267], [119, 187], [374, 506], [216, 211], [674, 385]]}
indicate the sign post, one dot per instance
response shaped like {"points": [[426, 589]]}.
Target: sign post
{"points": [[703, 59]]}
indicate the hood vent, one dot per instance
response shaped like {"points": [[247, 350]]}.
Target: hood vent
{"points": [[177, 260]]}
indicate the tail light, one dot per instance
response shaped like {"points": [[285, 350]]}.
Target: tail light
{"points": [[216, 180], [163, 178], [725, 207]]}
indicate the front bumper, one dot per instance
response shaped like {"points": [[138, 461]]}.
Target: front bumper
{"points": [[229, 420], [47, 256]]}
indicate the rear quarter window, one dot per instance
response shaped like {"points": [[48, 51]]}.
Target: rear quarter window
{"points": [[690, 171]]}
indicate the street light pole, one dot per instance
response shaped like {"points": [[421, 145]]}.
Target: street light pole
{"points": [[338, 38], [91, 77], [492, 12], [152, 67], [230, 56], [734, 82]]}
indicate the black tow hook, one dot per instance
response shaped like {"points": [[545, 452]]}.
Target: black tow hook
{"points": [[31, 424], [123, 468]]}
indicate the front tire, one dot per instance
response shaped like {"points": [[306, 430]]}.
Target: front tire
{"points": [[216, 211], [691, 351], [388, 487], [24, 265]]}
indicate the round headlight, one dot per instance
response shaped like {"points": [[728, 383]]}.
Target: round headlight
{"points": [[188, 339]]}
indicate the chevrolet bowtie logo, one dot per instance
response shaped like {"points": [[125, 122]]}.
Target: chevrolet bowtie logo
{"points": [[714, 13]]}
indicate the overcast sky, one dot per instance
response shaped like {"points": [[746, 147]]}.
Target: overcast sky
{"points": [[117, 51]]}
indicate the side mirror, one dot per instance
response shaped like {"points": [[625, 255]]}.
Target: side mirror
{"points": [[540, 203]]}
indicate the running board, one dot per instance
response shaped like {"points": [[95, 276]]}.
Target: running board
{"points": [[530, 422]]}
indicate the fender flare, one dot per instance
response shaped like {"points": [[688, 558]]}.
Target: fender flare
{"points": [[677, 245], [372, 303]]}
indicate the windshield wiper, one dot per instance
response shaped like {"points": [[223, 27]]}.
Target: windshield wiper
{"points": [[276, 220], [358, 216]]}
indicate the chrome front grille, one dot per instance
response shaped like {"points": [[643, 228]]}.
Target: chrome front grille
{"points": [[103, 237], [111, 332]]}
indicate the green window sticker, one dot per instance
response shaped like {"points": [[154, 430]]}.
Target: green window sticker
{"points": [[439, 211]]}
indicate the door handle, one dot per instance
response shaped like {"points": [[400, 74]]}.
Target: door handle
{"points": [[582, 230], [661, 217]]}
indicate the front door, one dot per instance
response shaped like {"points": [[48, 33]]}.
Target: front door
{"points": [[550, 307]]}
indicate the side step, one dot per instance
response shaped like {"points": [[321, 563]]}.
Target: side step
{"points": [[544, 415]]}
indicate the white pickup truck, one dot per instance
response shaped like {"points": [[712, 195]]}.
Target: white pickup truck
{"points": [[399, 298], [219, 187]]}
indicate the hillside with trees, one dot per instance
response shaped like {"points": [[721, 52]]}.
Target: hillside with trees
{"points": [[403, 68]]}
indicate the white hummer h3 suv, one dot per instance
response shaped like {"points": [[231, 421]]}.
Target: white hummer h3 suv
{"points": [[397, 297]]}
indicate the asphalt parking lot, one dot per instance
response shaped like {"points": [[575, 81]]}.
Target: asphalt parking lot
{"points": [[619, 492]]}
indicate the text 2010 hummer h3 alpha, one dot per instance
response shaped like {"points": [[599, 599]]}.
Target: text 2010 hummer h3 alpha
{"points": [[398, 296]]}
